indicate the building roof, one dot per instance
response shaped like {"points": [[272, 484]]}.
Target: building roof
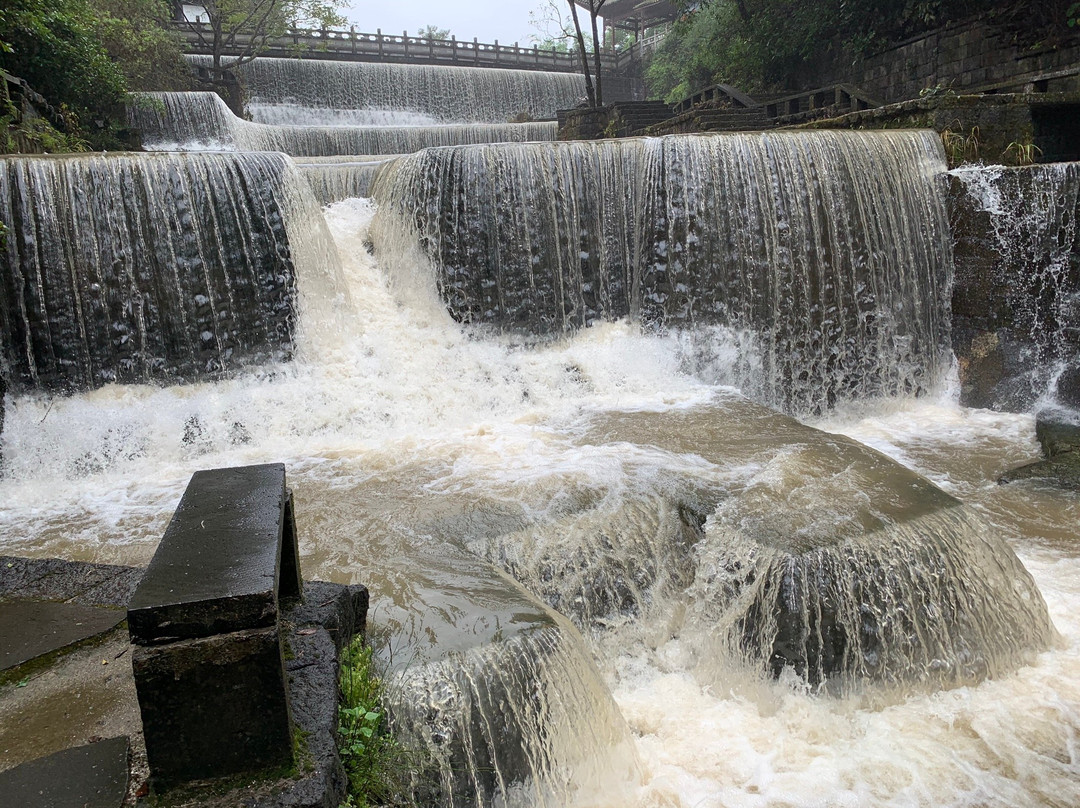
{"points": [[642, 11]]}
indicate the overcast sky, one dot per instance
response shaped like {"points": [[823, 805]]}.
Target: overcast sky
{"points": [[487, 20]]}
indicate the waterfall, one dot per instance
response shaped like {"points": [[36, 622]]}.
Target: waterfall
{"points": [[318, 91], [826, 253], [1018, 282], [333, 179], [171, 121], [130, 268], [784, 547]]}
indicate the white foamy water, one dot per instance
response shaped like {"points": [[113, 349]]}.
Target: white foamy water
{"points": [[394, 414]]}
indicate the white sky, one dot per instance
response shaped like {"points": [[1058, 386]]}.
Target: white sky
{"points": [[487, 20]]}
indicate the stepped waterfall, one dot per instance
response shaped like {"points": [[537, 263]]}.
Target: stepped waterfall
{"points": [[826, 251], [311, 92], [648, 450]]}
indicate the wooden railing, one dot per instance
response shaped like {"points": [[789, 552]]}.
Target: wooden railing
{"points": [[352, 45]]}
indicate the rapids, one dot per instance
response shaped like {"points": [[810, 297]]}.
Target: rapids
{"points": [[401, 430]]}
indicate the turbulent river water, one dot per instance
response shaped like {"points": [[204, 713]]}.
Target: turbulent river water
{"points": [[392, 415]]}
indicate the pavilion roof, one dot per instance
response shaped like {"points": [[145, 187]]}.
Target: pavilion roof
{"points": [[644, 11]]}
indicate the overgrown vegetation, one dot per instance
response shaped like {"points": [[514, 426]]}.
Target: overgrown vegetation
{"points": [[377, 765], [83, 57], [762, 45]]}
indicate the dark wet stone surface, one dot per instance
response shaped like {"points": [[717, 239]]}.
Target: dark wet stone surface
{"points": [[55, 579], [215, 570], [30, 629], [1061, 445], [93, 776], [213, 706], [315, 630]]}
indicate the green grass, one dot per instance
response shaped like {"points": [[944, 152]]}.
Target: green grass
{"points": [[377, 765]]}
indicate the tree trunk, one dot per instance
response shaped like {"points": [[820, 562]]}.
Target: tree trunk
{"points": [[584, 55], [594, 12]]}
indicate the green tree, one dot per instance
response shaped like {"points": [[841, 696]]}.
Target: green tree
{"points": [[433, 32], [53, 46], [237, 31], [136, 35], [777, 45]]}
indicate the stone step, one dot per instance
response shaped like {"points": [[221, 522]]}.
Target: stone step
{"points": [[93, 776]]}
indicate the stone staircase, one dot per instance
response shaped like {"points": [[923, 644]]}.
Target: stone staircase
{"points": [[712, 119], [636, 116]]}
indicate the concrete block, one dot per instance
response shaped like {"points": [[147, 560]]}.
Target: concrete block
{"points": [[216, 569], [214, 706]]}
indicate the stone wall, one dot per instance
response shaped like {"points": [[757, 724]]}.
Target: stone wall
{"points": [[982, 128], [1016, 292], [972, 56]]}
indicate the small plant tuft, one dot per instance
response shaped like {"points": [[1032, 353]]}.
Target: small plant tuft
{"points": [[961, 148], [1022, 154], [377, 765]]}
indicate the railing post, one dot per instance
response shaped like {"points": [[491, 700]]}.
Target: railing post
{"points": [[352, 35], [498, 55], [431, 49], [453, 42], [380, 40], [476, 51], [405, 39]]}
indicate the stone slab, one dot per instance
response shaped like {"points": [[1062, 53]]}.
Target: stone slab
{"points": [[216, 569], [59, 580], [92, 776], [30, 629], [213, 706]]}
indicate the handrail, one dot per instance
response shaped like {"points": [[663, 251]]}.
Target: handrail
{"points": [[355, 45]]}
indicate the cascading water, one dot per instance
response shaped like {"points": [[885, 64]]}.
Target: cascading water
{"points": [[794, 549], [334, 179], [150, 268], [827, 252], [313, 92], [1019, 234], [200, 121], [606, 470]]}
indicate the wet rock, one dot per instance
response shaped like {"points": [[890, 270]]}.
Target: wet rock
{"points": [[208, 655], [216, 569], [1061, 468]]}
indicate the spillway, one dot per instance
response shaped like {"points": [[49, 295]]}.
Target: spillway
{"points": [[826, 255], [320, 91], [202, 121]]}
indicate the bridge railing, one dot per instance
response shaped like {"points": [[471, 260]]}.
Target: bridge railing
{"points": [[352, 45]]}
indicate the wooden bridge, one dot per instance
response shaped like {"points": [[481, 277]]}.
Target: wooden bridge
{"points": [[354, 46]]}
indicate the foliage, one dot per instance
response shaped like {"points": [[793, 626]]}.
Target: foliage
{"points": [[1073, 15], [83, 56], [433, 32], [1022, 154], [555, 29], [135, 35], [52, 45], [774, 45], [236, 31], [377, 766]]}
